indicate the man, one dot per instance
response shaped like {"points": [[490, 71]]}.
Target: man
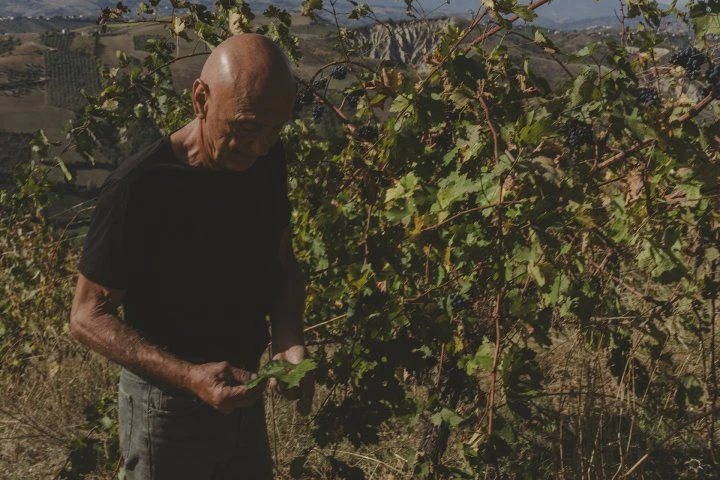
{"points": [[191, 237]]}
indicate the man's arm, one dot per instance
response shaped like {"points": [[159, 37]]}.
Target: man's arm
{"points": [[94, 322], [286, 312]]}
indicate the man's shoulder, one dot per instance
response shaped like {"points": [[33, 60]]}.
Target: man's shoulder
{"points": [[155, 153]]}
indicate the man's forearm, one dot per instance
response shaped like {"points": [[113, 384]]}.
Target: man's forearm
{"points": [[112, 338], [287, 309]]}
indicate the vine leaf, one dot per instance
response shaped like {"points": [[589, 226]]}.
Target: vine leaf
{"points": [[288, 374], [447, 417]]}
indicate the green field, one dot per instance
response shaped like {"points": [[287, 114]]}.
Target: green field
{"points": [[69, 74]]}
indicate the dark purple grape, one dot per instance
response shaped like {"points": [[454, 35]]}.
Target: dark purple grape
{"points": [[648, 96], [353, 99], [578, 133], [691, 59], [367, 132], [306, 97], [339, 72], [317, 112], [458, 301]]}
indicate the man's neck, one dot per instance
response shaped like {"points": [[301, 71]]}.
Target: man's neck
{"points": [[186, 144]]}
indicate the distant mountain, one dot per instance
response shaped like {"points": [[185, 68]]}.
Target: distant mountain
{"points": [[559, 14]]}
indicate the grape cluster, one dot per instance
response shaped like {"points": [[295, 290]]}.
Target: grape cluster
{"points": [[367, 132], [578, 133], [303, 98], [317, 112], [648, 96], [353, 99], [691, 59], [458, 301], [306, 97], [339, 72]]}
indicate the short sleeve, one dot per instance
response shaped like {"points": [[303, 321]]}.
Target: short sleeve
{"points": [[283, 208], [105, 258]]}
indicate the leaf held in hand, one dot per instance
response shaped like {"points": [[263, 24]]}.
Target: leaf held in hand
{"points": [[288, 374]]}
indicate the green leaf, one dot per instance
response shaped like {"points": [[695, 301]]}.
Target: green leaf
{"points": [[535, 131], [453, 188], [61, 163], [446, 416], [664, 264], [400, 104], [541, 39], [584, 52], [309, 6], [288, 374], [403, 188], [638, 126], [360, 11], [524, 13], [706, 25], [483, 358], [583, 87], [539, 272]]}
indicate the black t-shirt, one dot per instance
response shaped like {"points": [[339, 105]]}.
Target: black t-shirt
{"points": [[194, 249]]}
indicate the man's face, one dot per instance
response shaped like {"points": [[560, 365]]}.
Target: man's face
{"points": [[242, 126]]}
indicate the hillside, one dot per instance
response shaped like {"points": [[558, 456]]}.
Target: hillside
{"points": [[29, 91]]}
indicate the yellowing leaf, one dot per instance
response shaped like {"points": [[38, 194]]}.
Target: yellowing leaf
{"points": [[178, 25]]}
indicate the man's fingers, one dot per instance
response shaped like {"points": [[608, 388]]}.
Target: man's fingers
{"points": [[275, 386], [241, 376]]}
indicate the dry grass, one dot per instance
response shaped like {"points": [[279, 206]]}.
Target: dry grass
{"points": [[43, 409], [291, 436], [596, 427]]}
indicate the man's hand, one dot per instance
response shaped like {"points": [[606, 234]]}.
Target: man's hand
{"points": [[303, 393], [221, 386]]}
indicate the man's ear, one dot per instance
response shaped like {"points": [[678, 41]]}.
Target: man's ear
{"points": [[200, 95]]}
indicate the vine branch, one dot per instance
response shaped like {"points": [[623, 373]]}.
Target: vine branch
{"points": [[497, 28]]}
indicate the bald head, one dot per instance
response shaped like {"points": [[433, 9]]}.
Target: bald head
{"points": [[245, 94], [249, 63]]}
